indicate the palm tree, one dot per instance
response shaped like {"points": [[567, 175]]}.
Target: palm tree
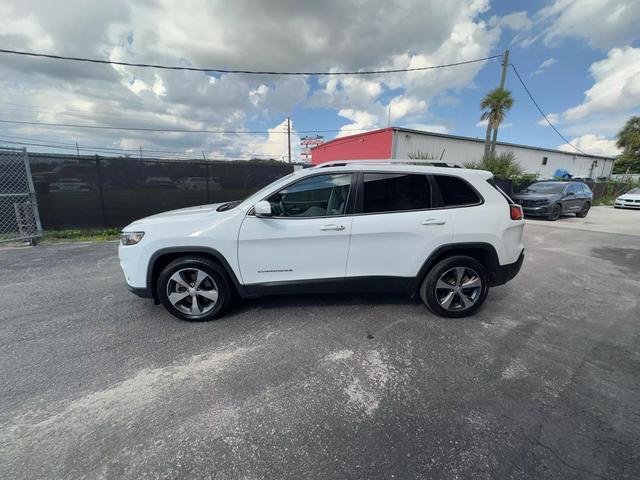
{"points": [[495, 104]]}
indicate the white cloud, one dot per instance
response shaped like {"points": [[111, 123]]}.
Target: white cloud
{"points": [[593, 144], [269, 35], [516, 21], [360, 120], [603, 23], [543, 66], [553, 118], [616, 88]]}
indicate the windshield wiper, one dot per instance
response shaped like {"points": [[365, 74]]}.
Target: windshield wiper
{"points": [[228, 206]]}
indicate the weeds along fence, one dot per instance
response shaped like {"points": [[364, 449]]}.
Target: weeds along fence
{"points": [[96, 191]]}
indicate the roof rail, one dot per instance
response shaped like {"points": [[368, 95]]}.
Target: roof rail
{"points": [[342, 163]]}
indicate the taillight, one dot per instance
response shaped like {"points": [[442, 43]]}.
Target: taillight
{"points": [[516, 212]]}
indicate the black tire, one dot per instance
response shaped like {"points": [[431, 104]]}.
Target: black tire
{"points": [[431, 295], [555, 213], [221, 283], [585, 210]]}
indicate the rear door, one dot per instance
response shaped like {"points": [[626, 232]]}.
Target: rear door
{"points": [[307, 237], [573, 199], [395, 227]]}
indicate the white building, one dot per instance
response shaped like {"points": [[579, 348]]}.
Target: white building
{"points": [[400, 143]]}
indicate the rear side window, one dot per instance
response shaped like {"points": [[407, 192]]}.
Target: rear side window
{"points": [[455, 191], [393, 192]]}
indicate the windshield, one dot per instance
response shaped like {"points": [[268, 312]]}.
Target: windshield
{"points": [[229, 205], [545, 188], [635, 190]]}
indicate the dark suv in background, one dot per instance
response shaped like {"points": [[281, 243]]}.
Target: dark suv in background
{"points": [[552, 199]]}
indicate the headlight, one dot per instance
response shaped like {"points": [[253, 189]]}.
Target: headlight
{"points": [[131, 238]]}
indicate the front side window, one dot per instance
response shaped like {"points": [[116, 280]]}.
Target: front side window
{"points": [[318, 196], [393, 192], [455, 191]]}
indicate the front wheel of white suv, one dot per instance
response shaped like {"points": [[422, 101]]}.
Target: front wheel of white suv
{"points": [[455, 287], [194, 289]]}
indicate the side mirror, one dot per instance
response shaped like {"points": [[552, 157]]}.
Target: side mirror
{"points": [[569, 194], [262, 209]]}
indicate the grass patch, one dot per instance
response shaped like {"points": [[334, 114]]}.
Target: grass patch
{"points": [[81, 235]]}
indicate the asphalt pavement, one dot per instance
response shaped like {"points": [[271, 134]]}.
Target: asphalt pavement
{"points": [[544, 382]]}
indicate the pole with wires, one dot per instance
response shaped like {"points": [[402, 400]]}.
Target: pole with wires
{"points": [[503, 78], [289, 136]]}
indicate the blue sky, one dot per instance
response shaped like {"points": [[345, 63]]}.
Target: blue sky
{"points": [[580, 59]]}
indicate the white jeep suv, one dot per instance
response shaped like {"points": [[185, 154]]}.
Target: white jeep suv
{"points": [[446, 233]]}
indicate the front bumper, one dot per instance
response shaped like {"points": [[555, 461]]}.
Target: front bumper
{"points": [[536, 211], [626, 204], [140, 292], [505, 273]]}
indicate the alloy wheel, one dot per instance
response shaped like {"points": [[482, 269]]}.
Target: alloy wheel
{"points": [[192, 291], [458, 289]]}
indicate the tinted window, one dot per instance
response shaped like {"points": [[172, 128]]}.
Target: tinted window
{"points": [[392, 192], [318, 196], [456, 191]]}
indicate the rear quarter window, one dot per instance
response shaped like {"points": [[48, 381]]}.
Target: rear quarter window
{"points": [[455, 191]]}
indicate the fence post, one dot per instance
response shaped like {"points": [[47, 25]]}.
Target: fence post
{"points": [[101, 192]]}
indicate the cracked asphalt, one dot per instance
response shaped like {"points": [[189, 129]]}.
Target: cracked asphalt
{"points": [[544, 382]]}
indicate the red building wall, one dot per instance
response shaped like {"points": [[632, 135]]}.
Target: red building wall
{"points": [[376, 145]]}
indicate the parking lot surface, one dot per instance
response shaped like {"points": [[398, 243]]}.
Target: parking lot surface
{"points": [[600, 219], [543, 382]]}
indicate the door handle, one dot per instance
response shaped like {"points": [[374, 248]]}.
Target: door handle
{"points": [[332, 227], [433, 221]]}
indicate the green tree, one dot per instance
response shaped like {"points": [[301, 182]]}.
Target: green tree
{"points": [[503, 165], [495, 104], [629, 141]]}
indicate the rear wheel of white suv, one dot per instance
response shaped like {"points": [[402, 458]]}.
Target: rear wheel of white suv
{"points": [[455, 287], [194, 289]]}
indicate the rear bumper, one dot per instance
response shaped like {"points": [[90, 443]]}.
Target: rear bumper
{"points": [[505, 273], [140, 292]]}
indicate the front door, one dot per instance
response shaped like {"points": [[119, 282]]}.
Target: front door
{"points": [[306, 239]]}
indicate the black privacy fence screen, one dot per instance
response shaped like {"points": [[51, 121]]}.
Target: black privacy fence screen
{"points": [[95, 191]]}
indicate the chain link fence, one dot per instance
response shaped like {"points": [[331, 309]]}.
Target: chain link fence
{"points": [[19, 218]]}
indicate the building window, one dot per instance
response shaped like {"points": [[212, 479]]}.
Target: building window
{"points": [[544, 160]]}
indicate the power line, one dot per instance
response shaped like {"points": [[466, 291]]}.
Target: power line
{"points": [[249, 72], [170, 130], [542, 113]]}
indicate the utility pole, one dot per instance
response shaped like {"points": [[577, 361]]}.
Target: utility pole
{"points": [[140, 152], [203, 157], [289, 136], [503, 78], [77, 150]]}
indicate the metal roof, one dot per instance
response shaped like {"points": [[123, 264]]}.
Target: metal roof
{"points": [[469, 139]]}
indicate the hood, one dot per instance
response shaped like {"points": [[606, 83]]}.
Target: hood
{"points": [[629, 196], [180, 215], [535, 196], [199, 210]]}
